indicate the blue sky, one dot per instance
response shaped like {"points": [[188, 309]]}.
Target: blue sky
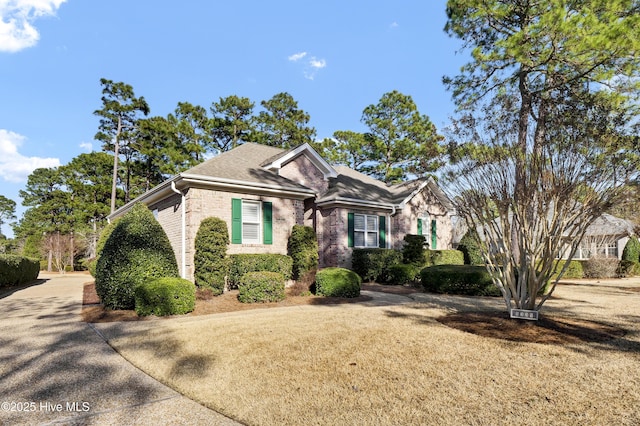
{"points": [[333, 57]]}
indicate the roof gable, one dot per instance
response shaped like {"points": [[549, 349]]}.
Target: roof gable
{"points": [[279, 160]]}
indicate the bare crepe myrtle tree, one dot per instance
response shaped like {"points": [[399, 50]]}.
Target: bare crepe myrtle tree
{"points": [[546, 106], [529, 203]]}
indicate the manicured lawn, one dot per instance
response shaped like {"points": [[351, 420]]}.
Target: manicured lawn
{"points": [[352, 364]]}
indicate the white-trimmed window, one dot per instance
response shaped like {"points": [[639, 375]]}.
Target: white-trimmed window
{"points": [[365, 230], [251, 215], [251, 222]]}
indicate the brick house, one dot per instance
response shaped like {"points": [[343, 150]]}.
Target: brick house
{"points": [[262, 191]]}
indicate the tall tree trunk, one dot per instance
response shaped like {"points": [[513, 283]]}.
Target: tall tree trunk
{"points": [[116, 152]]}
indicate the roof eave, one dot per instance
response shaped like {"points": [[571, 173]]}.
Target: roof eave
{"points": [[183, 181]]}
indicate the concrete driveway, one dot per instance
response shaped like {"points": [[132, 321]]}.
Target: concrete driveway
{"points": [[55, 369]]}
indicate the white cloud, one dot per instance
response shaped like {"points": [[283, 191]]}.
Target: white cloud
{"points": [[87, 146], [393, 25], [297, 56], [317, 63], [311, 65], [15, 167], [16, 22]]}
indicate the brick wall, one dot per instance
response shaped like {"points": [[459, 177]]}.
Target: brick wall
{"points": [[406, 220], [304, 172], [203, 203]]}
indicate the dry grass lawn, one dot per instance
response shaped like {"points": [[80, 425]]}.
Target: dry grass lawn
{"points": [[353, 364]]}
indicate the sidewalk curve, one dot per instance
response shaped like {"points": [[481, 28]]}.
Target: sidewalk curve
{"points": [[55, 369]]}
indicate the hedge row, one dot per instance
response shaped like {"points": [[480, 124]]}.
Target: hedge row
{"points": [[240, 264], [16, 270], [466, 280], [261, 287], [373, 264]]}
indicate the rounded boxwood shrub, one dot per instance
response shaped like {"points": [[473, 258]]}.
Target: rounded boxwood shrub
{"points": [[165, 296], [403, 274], [469, 280], [211, 265], [303, 249], [261, 287], [338, 282], [137, 251]]}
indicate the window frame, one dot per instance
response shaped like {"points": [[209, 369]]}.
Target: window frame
{"points": [[244, 221], [365, 231]]}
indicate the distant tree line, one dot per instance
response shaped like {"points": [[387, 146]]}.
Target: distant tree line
{"points": [[68, 205]]}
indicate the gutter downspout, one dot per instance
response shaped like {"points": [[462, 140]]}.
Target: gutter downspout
{"points": [[183, 269]]}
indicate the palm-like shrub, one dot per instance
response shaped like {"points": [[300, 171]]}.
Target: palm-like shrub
{"points": [[137, 251], [211, 265]]}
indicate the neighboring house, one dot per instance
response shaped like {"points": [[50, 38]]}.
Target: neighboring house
{"points": [[605, 237], [262, 191]]}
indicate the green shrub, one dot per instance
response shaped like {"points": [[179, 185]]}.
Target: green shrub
{"points": [[403, 274], [17, 270], [211, 264], [470, 247], [338, 282], [303, 249], [574, 270], [165, 296], [413, 250], [373, 264], [631, 251], [445, 257], [104, 236], [627, 268], [137, 251], [240, 264], [261, 287], [469, 280]]}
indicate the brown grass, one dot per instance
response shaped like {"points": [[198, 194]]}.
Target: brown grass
{"points": [[353, 364]]}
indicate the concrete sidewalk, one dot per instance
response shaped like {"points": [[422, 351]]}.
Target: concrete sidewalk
{"points": [[55, 369]]}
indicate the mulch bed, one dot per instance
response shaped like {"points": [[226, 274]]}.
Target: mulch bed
{"points": [[549, 330]]}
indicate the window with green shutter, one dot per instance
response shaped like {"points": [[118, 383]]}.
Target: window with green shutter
{"points": [[267, 223], [251, 222], [365, 230], [434, 236]]}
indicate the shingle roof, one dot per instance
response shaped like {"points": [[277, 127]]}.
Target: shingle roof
{"points": [[244, 163], [610, 225], [352, 184]]}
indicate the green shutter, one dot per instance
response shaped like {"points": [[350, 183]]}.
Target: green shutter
{"points": [[419, 226], [350, 228], [434, 237], [382, 232], [236, 221], [267, 223]]}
